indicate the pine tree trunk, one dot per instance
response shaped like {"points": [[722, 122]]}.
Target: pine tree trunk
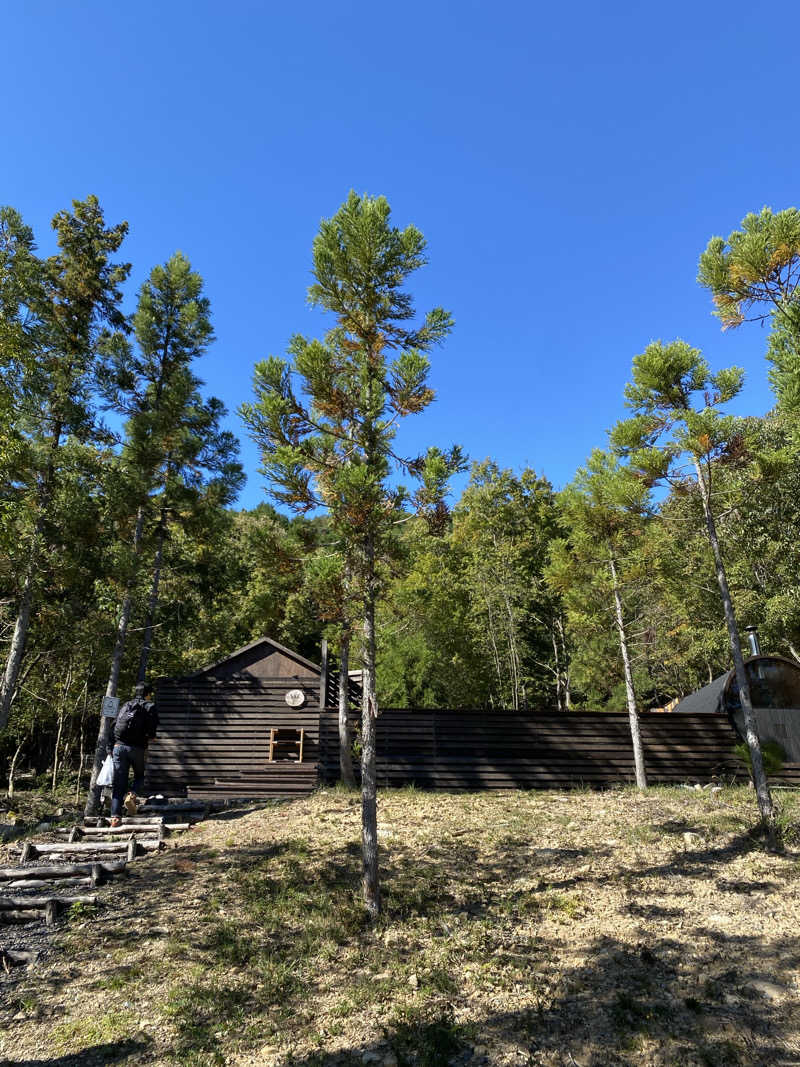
{"points": [[630, 693], [105, 730], [369, 712], [751, 732], [346, 775], [152, 602]]}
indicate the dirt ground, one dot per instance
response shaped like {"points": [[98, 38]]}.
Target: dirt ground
{"points": [[528, 928]]}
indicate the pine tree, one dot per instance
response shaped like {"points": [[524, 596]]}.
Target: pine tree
{"points": [[667, 428], [603, 510], [174, 447], [60, 306], [330, 442]]}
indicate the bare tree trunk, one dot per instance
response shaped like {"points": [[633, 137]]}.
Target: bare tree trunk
{"points": [[8, 684], [493, 639], [633, 713], [152, 602], [81, 753], [559, 689], [106, 727], [369, 713], [565, 659], [62, 712], [794, 652], [346, 774], [751, 732], [12, 770]]}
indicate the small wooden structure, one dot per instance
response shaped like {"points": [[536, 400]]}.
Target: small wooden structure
{"points": [[775, 692], [228, 729]]}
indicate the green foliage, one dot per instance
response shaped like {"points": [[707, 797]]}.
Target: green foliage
{"points": [[771, 752]]}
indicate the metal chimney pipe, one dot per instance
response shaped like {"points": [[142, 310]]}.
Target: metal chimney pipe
{"points": [[752, 637]]}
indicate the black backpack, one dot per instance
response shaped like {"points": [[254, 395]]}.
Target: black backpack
{"points": [[133, 725]]}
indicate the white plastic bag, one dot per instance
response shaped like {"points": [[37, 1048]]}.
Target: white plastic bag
{"points": [[106, 775]]}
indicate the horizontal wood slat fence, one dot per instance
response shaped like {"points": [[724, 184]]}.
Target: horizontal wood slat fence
{"points": [[468, 749], [214, 742]]}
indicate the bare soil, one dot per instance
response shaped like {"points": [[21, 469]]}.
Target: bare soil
{"points": [[518, 928]]}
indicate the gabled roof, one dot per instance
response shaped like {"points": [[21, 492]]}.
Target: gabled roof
{"points": [[269, 641]]}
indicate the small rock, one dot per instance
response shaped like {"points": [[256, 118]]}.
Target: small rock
{"points": [[59, 813], [770, 990], [731, 1000], [413, 981], [690, 838], [42, 826]]}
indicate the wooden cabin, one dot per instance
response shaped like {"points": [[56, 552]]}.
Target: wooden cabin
{"points": [[246, 726]]}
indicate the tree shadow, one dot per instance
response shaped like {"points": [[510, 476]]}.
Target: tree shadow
{"points": [[111, 1052]]}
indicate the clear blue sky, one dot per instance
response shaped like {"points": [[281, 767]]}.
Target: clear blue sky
{"points": [[566, 162]]}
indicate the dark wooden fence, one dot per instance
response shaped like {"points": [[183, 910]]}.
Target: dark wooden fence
{"points": [[451, 750], [214, 742]]}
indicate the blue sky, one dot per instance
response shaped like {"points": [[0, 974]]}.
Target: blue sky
{"points": [[567, 164]]}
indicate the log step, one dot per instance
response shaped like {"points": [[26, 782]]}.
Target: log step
{"points": [[35, 849], [12, 957], [111, 831], [9, 903], [47, 883], [69, 870]]}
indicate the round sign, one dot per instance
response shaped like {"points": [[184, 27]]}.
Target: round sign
{"points": [[295, 698]]}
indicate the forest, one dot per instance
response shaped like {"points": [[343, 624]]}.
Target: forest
{"points": [[123, 554]]}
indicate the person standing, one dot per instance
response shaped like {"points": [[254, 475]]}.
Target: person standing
{"points": [[135, 728]]}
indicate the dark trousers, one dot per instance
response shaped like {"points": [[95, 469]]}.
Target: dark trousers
{"points": [[125, 757]]}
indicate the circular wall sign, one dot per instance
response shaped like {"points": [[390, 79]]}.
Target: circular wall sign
{"points": [[295, 698]]}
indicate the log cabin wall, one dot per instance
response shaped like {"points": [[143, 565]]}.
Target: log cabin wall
{"points": [[214, 738], [214, 727], [453, 750]]}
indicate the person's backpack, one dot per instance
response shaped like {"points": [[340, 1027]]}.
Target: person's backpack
{"points": [[134, 723]]}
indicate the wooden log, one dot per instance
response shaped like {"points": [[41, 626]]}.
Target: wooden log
{"points": [[169, 809], [22, 916], [50, 912], [92, 832], [47, 883], [44, 848], [132, 848], [10, 903], [67, 870], [15, 957], [127, 820], [27, 852], [74, 834]]}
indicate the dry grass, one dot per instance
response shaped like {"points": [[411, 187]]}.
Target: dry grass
{"points": [[518, 928]]}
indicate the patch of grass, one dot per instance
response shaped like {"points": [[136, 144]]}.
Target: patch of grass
{"points": [[630, 1014], [426, 1034], [121, 978], [76, 1034], [203, 1012]]}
